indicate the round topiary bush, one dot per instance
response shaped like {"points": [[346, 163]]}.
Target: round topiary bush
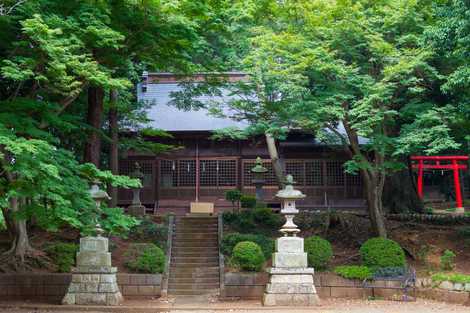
{"points": [[319, 252], [229, 241], [145, 258], [380, 253], [248, 255]]}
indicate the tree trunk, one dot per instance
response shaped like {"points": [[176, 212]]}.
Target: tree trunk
{"points": [[400, 194], [373, 182], [20, 245], [113, 150], [277, 165], [8, 222], [374, 192], [95, 112]]}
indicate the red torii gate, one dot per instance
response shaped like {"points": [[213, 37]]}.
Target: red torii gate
{"points": [[452, 163]]}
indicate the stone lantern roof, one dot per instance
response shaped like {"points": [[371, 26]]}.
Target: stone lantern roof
{"points": [[259, 168], [97, 194]]}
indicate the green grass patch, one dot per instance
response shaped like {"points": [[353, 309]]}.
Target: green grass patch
{"points": [[354, 272], [452, 277]]}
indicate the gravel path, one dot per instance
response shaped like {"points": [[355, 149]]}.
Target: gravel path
{"points": [[327, 306]]}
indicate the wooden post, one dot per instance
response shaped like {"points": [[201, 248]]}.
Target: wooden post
{"points": [[420, 179], [458, 192], [197, 172]]}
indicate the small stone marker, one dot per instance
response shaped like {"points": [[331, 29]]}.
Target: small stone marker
{"points": [[94, 279], [290, 278]]}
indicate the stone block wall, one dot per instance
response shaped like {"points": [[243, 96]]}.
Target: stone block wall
{"points": [[252, 286], [52, 287]]}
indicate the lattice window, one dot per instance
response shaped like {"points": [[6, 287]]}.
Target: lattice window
{"points": [[208, 172], [168, 173], [314, 173], [187, 172], [334, 173], [227, 172], [126, 167], [269, 176], [297, 170]]}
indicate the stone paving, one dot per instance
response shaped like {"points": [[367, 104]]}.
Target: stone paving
{"points": [[326, 306]]}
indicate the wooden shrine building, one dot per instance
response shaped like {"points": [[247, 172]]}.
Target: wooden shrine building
{"points": [[170, 178]]}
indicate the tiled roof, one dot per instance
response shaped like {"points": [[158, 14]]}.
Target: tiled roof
{"points": [[168, 117], [163, 115]]}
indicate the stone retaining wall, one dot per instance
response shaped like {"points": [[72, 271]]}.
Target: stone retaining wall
{"points": [[252, 285], [52, 287]]}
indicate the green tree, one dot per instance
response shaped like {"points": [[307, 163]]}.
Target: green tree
{"points": [[356, 73]]}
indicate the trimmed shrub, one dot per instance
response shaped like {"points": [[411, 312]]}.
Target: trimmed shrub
{"points": [[354, 272], [145, 258], [248, 256], [319, 252], [234, 196], [63, 255], [447, 260], [229, 241], [380, 252], [248, 201], [150, 231], [259, 220], [266, 216]]}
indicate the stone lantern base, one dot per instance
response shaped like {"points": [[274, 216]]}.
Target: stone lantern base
{"points": [[290, 278], [94, 279]]}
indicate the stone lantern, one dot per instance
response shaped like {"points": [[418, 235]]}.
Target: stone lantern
{"points": [[94, 279], [98, 196], [290, 278], [136, 208], [258, 178]]}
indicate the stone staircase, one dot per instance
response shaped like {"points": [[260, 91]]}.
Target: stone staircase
{"points": [[194, 267]]}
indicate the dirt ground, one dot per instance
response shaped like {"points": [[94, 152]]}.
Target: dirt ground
{"points": [[327, 306]]}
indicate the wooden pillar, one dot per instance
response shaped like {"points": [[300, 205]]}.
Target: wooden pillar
{"points": [[197, 171], [420, 179], [458, 191]]}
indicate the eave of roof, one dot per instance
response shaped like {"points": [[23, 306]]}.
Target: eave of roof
{"points": [[165, 77]]}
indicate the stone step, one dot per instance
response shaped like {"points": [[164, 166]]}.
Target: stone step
{"points": [[196, 243], [194, 259], [173, 285], [196, 221], [197, 218], [196, 224], [213, 279], [196, 230], [181, 265], [193, 230], [196, 270], [213, 241], [201, 252], [210, 253], [204, 237], [194, 276], [188, 292]]}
